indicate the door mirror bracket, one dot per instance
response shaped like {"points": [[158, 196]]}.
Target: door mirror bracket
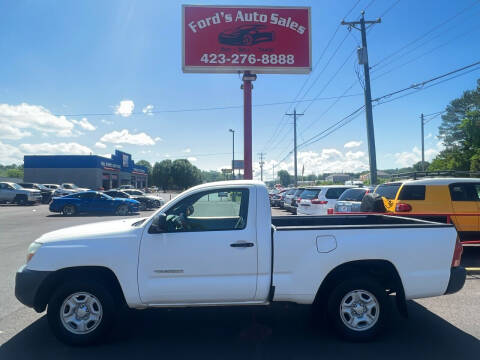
{"points": [[159, 224]]}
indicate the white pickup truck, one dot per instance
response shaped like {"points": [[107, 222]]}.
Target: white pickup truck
{"points": [[217, 244]]}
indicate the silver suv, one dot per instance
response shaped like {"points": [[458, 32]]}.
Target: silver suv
{"points": [[14, 193]]}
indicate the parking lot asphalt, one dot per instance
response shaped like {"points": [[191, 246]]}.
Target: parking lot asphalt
{"points": [[442, 327]]}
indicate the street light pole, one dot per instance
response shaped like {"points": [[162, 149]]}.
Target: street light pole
{"points": [[233, 152]]}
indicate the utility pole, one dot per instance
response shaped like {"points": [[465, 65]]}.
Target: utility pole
{"points": [[233, 152], [363, 59], [422, 120], [295, 143], [261, 164]]}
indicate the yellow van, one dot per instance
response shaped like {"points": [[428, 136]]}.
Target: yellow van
{"points": [[437, 196]]}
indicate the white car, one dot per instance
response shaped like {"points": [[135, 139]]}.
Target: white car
{"points": [[14, 193], [217, 244], [68, 189], [318, 199]]}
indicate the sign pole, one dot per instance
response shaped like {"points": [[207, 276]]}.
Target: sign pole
{"points": [[247, 124]]}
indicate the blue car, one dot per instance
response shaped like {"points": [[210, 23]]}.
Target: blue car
{"points": [[92, 202]]}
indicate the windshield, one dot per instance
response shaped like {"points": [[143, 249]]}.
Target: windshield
{"points": [[352, 195], [70, 186], [388, 190], [41, 187], [16, 186]]}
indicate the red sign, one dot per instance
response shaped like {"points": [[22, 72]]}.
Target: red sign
{"points": [[230, 39]]}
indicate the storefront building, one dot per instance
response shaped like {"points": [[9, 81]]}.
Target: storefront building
{"points": [[89, 171]]}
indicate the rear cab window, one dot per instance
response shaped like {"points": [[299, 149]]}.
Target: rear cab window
{"points": [[465, 192], [310, 194], [352, 195], [334, 193], [388, 191], [412, 192]]}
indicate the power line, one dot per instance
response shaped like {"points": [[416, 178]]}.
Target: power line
{"points": [[475, 3], [423, 83]]}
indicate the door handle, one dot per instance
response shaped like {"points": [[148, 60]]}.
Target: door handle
{"points": [[242, 244]]}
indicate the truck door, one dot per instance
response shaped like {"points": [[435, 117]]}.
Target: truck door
{"points": [[7, 193], [206, 252], [465, 200]]}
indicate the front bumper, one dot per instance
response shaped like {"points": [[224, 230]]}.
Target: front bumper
{"points": [[457, 279], [27, 284]]}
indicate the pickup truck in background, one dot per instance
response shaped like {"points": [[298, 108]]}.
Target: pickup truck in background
{"points": [[217, 244]]}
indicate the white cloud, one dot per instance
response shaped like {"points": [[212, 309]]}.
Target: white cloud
{"points": [[100, 145], [109, 156], [192, 158], [107, 122], [148, 109], [187, 151], [118, 146], [124, 137], [10, 154], [352, 144], [84, 124], [158, 138], [326, 161], [125, 108], [72, 148], [15, 119], [12, 133], [408, 158]]}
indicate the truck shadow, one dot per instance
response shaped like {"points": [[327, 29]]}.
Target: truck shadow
{"points": [[471, 256], [283, 331]]}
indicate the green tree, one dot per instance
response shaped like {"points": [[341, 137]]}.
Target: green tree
{"points": [[418, 166], [162, 174], [149, 168], [285, 177], [184, 174]]}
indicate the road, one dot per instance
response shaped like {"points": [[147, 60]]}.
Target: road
{"points": [[443, 327]]}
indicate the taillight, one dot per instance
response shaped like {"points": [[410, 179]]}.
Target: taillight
{"points": [[457, 253], [401, 207], [319, 202], [298, 199], [330, 211]]}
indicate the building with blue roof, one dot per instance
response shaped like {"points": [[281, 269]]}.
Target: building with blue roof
{"points": [[89, 171]]}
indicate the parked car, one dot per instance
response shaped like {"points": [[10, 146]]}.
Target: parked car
{"points": [[125, 187], [287, 197], [437, 196], [203, 249], [276, 199], [52, 186], [92, 202], [46, 192], [291, 200], [14, 193], [67, 189], [351, 200], [317, 200], [156, 201], [146, 202]]}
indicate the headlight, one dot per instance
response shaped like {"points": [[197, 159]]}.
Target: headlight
{"points": [[32, 249]]}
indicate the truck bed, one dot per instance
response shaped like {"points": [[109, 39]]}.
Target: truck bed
{"points": [[350, 222]]}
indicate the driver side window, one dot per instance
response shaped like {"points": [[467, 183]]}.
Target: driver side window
{"points": [[215, 210]]}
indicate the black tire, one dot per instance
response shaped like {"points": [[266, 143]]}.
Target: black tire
{"points": [[65, 332], [363, 286], [122, 210], [69, 210], [21, 200]]}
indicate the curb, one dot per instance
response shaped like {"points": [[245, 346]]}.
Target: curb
{"points": [[473, 270]]}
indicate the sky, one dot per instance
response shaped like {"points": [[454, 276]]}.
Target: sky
{"points": [[82, 77]]}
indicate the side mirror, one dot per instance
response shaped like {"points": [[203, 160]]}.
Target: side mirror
{"points": [[159, 224]]}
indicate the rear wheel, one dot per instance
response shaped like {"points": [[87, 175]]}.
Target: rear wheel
{"points": [[122, 210], [21, 200], [81, 313], [69, 210], [358, 308]]}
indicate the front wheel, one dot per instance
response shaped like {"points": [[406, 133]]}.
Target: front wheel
{"points": [[122, 210], [358, 308], [69, 210], [81, 313]]}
